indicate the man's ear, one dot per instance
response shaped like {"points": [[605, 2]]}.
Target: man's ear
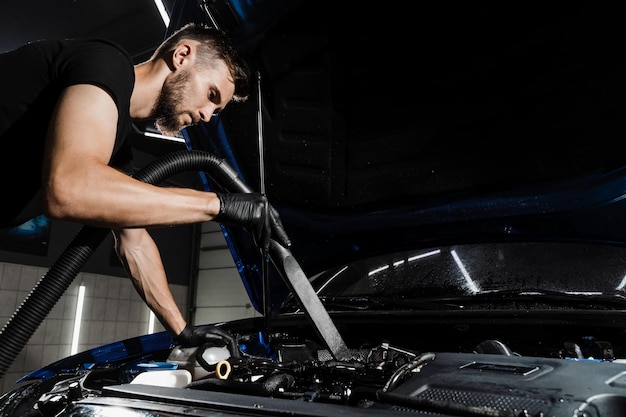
{"points": [[181, 55]]}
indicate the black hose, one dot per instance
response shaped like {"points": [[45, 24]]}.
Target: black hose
{"points": [[51, 287]]}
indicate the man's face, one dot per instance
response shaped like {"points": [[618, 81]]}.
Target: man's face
{"points": [[167, 108], [189, 96]]}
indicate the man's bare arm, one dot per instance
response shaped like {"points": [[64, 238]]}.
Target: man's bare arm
{"points": [[79, 185], [142, 261]]}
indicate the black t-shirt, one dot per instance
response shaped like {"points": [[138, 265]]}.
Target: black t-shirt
{"points": [[31, 79]]}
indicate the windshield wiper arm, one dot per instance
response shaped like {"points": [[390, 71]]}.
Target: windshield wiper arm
{"points": [[540, 294], [374, 303]]}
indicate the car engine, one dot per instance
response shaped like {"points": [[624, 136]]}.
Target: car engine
{"points": [[491, 380]]}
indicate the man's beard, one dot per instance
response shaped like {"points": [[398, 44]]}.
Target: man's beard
{"points": [[167, 108]]}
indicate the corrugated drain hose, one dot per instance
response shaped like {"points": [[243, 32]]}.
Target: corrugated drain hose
{"points": [[29, 315]]}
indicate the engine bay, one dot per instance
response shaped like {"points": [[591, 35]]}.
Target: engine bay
{"points": [[579, 376]]}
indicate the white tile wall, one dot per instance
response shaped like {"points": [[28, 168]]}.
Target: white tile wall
{"points": [[220, 293], [112, 311]]}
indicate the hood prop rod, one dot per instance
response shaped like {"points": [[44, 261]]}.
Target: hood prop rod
{"points": [[292, 272], [267, 309]]}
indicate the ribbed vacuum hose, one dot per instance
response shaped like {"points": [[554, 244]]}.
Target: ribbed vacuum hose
{"points": [[46, 293]]}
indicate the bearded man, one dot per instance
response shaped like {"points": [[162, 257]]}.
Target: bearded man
{"points": [[66, 109]]}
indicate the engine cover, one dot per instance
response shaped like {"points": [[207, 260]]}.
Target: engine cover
{"points": [[538, 386]]}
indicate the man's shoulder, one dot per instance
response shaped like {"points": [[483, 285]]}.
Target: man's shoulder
{"points": [[77, 46], [97, 61], [69, 58], [98, 48]]}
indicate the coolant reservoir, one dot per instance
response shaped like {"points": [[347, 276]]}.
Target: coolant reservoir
{"points": [[200, 362], [210, 356], [185, 358], [174, 378]]}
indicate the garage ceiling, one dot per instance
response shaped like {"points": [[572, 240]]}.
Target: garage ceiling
{"points": [[137, 25]]}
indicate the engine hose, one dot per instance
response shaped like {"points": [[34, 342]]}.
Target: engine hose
{"points": [[51, 287]]}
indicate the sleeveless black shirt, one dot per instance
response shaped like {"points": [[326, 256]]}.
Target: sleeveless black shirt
{"points": [[31, 79]]}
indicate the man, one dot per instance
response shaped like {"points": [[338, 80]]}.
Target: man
{"points": [[66, 108]]}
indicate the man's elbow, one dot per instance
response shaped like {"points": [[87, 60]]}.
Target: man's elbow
{"points": [[55, 211], [60, 205]]}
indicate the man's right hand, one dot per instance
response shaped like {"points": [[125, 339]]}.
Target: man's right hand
{"points": [[256, 215], [196, 336]]}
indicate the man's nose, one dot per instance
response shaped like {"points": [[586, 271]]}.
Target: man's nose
{"points": [[206, 113]]}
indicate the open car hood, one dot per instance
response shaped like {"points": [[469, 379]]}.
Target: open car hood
{"points": [[371, 128]]}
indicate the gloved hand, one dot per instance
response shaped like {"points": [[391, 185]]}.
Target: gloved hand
{"points": [[256, 215], [197, 336]]}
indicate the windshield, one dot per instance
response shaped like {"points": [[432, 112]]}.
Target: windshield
{"points": [[467, 270]]}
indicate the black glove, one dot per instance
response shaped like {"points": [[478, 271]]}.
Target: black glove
{"points": [[251, 210], [197, 336]]}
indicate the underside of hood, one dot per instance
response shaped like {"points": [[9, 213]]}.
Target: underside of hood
{"points": [[388, 127]]}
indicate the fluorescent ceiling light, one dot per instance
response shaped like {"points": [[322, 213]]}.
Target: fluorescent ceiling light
{"points": [[161, 7], [151, 323], [377, 270], [78, 319], [159, 136], [401, 261], [473, 287], [332, 278], [622, 284], [424, 255]]}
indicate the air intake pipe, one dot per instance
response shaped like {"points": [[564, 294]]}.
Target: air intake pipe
{"points": [[51, 287]]}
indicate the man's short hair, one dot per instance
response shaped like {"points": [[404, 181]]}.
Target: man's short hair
{"points": [[215, 45]]}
